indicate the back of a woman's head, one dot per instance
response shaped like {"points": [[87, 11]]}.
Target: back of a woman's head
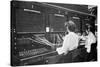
{"points": [[71, 26]]}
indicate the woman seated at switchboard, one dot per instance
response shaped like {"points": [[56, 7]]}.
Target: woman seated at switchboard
{"points": [[87, 40], [90, 43], [70, 43]]}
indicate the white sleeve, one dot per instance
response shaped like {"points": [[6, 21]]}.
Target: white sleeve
{"points": [[93, 38], [65, 46], [59, 50]]}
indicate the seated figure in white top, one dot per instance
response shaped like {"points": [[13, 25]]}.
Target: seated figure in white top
{"points": [[71, 40], [90, 39]]}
